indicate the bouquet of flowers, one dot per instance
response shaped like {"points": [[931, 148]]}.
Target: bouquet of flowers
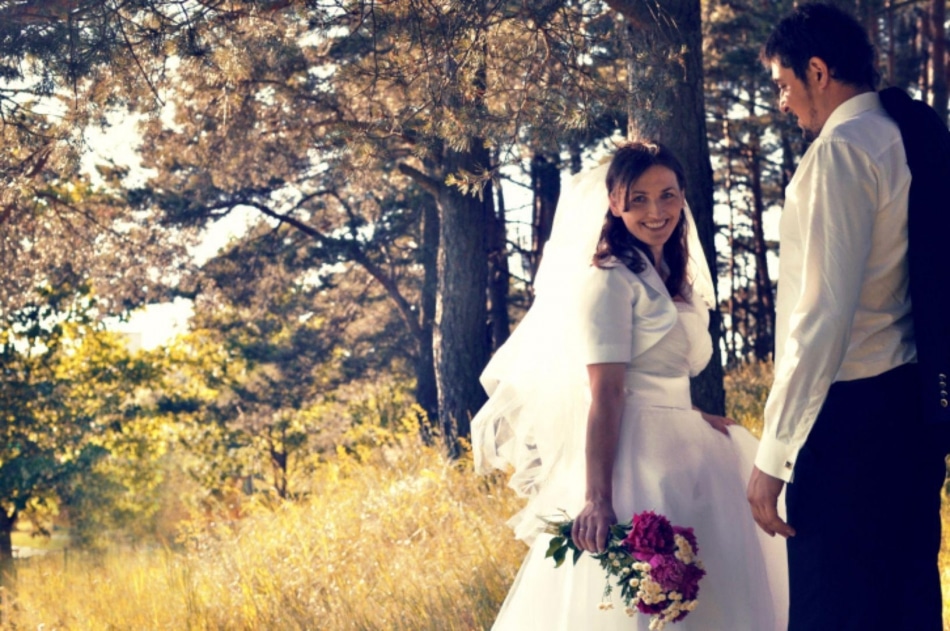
{"points": [[652, 562]]}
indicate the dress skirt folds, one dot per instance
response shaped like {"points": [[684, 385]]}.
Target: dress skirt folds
{"points": [[669, 460]]}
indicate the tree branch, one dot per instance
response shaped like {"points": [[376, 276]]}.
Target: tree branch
{"points": [[429, 184], [408, 314]]}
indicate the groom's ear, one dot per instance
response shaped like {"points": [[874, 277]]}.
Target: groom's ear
{"points": [[818, 72]]}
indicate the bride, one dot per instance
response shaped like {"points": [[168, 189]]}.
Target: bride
{"points": [[589, 404]]}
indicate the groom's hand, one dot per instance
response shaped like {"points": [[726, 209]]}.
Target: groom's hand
{"points": [[763, 495]]}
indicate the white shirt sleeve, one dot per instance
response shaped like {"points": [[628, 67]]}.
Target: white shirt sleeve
{"points": [[607, 313], [837, 201]]}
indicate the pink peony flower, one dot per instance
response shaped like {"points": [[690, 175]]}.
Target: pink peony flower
{"points": [[655, 608], [690, 585], [668, 571], [651, 540], [649, 534]]}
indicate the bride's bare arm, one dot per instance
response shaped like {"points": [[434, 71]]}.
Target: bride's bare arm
{"points": [[592, 525]]}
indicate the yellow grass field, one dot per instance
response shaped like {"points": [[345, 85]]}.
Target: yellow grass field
{"points": [[408, 541], [405, 541]]}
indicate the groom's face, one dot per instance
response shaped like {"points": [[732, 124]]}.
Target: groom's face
{"points": [[795, 97]]}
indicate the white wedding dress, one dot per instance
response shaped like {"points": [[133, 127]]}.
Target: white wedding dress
{"points": [[669, 460]]}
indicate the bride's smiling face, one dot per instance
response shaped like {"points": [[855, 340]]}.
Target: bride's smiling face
{"points": [[653, 205]]}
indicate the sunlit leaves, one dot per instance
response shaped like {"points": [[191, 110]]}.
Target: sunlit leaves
{"points": [[78, 428]]}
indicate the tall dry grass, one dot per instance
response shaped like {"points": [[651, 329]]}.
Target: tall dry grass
{"points": [[402, 540], [405, 541]]}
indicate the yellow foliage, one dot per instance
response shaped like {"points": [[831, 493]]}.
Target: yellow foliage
{"points": [[747, 387]]}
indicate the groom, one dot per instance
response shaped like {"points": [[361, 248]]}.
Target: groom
{"points": [[844, 425]]}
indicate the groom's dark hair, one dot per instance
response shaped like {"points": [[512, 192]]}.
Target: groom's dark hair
{"points": [[832, 35]]}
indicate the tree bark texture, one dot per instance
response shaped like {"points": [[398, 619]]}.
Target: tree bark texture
{"points": [[764, 301], [7, 569], [923, 50], [498, 272], [278, 459], [732, 354], [665, 74], [460, 339], [891, 48], [938, 57], [546, 189], [427, 391]]}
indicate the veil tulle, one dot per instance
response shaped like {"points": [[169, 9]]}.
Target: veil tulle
{"points": [[534, 422]]}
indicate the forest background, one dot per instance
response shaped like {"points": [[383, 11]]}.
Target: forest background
{"points": [[400, 164]]}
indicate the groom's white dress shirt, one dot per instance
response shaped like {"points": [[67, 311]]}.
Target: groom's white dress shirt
{"points": [[843, 307]]}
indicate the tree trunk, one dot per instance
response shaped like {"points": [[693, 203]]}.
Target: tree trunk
{"points": [[764, 300], [7, 568], [850, 6], [866, 11], [498, 273], [923, 32], [459, 337], [427, 392], [665, 70], [891, 47], [575, 158], [732, 356], [938, 59], [546, 187], [732, 346], [788, 162], [278, 460]]}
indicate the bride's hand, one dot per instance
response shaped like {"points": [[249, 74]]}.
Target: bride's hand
{"points": [[718, 423], [592, 526]]}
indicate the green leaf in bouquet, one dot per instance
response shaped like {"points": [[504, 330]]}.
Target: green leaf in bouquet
{"points": [[559, 555], [577, 554], [619, 531], [556, 544]]}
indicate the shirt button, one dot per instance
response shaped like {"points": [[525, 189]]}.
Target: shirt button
{"points": [[941, 376], [944, 403], [789, 465]]}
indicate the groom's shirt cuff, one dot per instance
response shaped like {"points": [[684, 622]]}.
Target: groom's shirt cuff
{"points": [[776, 458]]}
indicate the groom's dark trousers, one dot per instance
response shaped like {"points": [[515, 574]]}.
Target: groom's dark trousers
{"points": [[865, 504]]}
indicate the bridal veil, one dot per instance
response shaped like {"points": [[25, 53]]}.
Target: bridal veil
{"points": [[535, 419]]}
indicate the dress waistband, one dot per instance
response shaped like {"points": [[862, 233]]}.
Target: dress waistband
{"points": [[658, 391]]}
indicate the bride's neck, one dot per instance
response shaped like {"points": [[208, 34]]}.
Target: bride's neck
{"points": [[660, 266]]}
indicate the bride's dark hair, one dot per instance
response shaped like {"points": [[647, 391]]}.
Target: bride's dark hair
{"points": [[629, 163]]}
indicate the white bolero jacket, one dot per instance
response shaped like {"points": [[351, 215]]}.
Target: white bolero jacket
{"points": [[627, 314]]}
